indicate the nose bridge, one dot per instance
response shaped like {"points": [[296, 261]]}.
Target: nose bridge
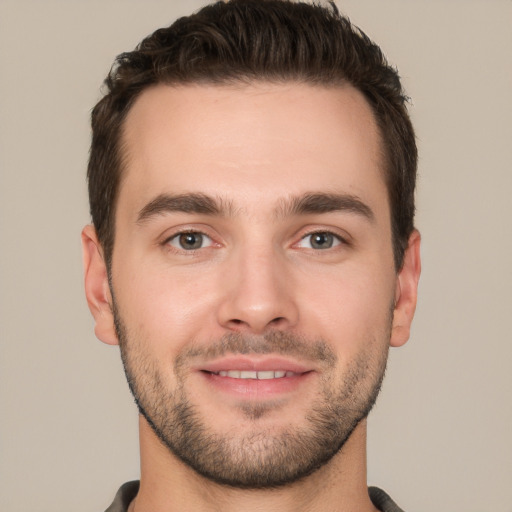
{"points": [[257, 293]]}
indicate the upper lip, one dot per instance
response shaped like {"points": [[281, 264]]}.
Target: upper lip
{"points": [[261, 364]]}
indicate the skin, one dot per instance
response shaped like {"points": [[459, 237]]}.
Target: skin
{"points": [[256, 147]]}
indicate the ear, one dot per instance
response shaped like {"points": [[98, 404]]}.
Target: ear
{"points": [[97, 289], [406, 291]]}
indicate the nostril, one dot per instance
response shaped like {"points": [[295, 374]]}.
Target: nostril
{"points": [[238, 324]]}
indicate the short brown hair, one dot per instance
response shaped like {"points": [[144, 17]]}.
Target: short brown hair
{"points": [[247, 41]]}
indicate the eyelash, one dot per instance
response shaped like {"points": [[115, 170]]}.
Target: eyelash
{"points": [[337, 240], [175, 236]]}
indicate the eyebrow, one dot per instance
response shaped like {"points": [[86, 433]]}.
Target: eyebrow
{"points": [[322, 202], [185, 203], [311, 203]]}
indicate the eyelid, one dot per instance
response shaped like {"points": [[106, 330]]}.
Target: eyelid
{"points": [[337, 241], [341, 236], [177, 236], [174, 233]]}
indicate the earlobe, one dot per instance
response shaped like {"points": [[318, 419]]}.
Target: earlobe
{"points": [[97, 289], [406, 292]]}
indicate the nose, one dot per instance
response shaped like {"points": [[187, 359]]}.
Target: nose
{"points": [[257, 293]]}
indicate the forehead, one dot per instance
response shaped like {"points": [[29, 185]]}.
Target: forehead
{"points": [[249, 142]]}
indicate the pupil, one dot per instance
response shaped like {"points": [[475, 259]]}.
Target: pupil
{"points": [[321, 241], [191, 240]]}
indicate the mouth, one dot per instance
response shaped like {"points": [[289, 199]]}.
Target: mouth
{"points": [[259, 375], [255, 378]]}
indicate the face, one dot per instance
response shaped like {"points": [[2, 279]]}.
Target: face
{"points": [[253, 282]]}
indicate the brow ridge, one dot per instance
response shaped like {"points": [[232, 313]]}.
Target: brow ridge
{"points": [[309, 203], [183, 203], [321, 202]]}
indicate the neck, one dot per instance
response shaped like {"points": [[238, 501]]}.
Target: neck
{"points": [[168, 485]]}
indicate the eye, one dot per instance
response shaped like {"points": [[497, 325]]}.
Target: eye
{"points": [[190, 241], [320, 240]]}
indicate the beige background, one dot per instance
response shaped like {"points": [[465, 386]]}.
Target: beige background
{"points": [[441, 435]]}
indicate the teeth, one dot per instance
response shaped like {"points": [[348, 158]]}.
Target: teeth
{"points": [[264, 375]]}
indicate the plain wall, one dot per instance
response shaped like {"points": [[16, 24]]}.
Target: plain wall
{"points": [[440, 437]]}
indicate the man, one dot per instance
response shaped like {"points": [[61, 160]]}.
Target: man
{"points": [[253, 254]]}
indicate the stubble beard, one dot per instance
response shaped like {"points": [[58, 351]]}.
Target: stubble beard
{"points": [[264, 457]]}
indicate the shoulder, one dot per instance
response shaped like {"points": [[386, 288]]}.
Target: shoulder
{"points": [[382, 500], [124, 496]]}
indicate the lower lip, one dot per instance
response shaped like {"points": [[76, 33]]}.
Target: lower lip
{"points": [[255, 388]]}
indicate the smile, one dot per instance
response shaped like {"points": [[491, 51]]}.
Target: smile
{"points": [[259, 375], [248, 379]]}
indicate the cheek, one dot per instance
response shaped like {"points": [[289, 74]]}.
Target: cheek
{"points": [[350, 306], [168, 309]]}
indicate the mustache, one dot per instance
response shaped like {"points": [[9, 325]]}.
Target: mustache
{"points": [[273, 342]]}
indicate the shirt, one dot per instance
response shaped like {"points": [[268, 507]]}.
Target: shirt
{"points": [[129, 490]]}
